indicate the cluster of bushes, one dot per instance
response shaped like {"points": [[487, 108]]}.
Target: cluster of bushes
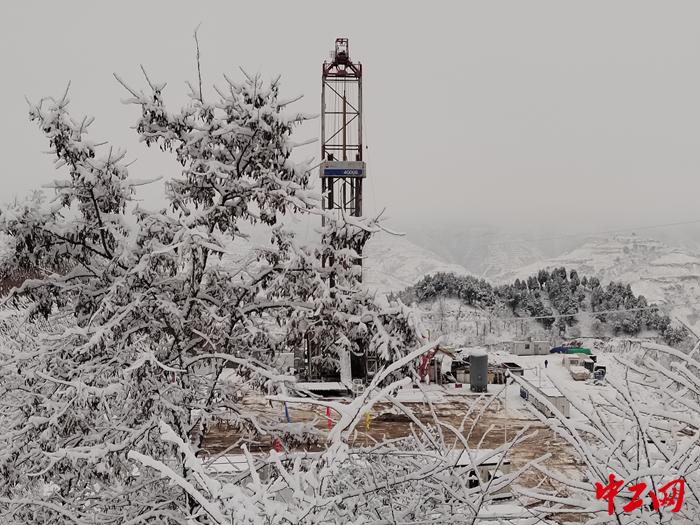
{"points": [[554, 293], [470, 290]]}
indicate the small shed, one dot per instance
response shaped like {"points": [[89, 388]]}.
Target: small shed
{"points": [[490, 465], [578, 360], [534, 395], [529, 347]]}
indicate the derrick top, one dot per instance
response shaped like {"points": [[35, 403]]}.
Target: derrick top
{"points": [[340, 64]]}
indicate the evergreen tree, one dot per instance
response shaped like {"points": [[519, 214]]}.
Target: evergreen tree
{"points": [[573, 279], [533, 283]]}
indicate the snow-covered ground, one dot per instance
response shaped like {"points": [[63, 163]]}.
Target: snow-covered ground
{"points": [[552, 376]]}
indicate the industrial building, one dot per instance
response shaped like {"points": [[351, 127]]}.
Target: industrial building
{"points": [[464, 366], [534, 394], [529, 347], [490, 465]]}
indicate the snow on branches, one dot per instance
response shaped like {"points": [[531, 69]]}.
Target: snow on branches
{"points": [[644, 431], [142, 320], [134, 335]]}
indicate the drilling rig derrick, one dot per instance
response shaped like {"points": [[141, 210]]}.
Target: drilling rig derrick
{"points": [[342, 171], [342, 168]]}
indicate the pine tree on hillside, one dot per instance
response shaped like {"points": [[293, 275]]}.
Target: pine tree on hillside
{"points": [[566, 292], [574, 280]]}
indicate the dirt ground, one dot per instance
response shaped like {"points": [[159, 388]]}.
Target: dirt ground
{"points": [[487, 431]]}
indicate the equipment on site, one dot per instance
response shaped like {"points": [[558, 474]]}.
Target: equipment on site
{"points": [[342, 171]]}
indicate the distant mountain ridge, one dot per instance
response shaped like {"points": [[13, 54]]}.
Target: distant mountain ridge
{"points": [[483, 251], [392, 262], [662, 274]]}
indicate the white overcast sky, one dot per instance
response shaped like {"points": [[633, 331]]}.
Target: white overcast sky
{"points": [[514, 113]]}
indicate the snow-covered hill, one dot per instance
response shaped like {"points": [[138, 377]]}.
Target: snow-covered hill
{"points": [[391, 263], [484, 251], [506, 253], [661, 273]]}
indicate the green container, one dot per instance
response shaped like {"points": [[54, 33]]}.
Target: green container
{"points": [[578, 351]]}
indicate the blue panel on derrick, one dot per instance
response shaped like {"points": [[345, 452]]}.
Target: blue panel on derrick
{"points": [[343, 172]]}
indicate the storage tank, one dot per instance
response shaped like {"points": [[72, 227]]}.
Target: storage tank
{"points": [[478, 371]]}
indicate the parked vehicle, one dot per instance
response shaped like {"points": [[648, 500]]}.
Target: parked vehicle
{"points": [[570, 350], [558, 350]]}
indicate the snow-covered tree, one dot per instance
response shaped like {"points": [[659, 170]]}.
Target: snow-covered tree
{"points": [[644, 431], [135, 333], [406, 480], [143, 316]]}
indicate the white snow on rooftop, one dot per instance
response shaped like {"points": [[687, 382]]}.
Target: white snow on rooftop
{"points": [[475, 351], [314, 386]]}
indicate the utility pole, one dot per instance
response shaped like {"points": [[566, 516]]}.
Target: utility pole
{"points": [[505, 408]]}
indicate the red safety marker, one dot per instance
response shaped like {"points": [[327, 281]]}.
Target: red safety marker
{"points": [[328, 416]]}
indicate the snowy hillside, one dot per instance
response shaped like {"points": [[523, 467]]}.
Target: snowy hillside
{"points": [[661, 273], [485, 251], [505, 254], [391, 263]]}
